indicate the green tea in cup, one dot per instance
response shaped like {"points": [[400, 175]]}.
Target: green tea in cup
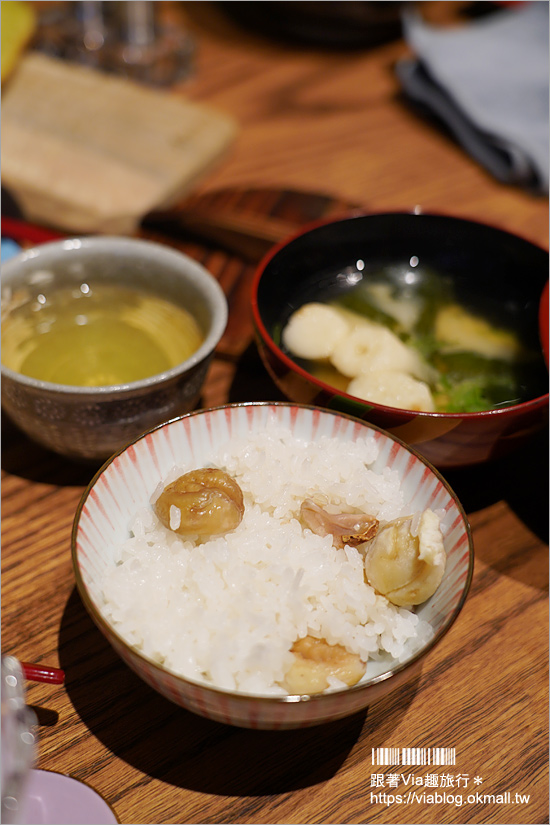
{"points": [[95, 333]]}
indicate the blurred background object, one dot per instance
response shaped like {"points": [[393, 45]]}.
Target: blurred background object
{"points": [[18, 26], [9, 249], [329, 24], [29, 795], [87, 152], [126, 38], [18, 741], [486, 82]]}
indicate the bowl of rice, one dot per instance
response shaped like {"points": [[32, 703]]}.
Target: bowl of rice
{"points": [[273, 619]]}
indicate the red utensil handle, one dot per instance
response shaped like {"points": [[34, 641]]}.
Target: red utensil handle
{"points": [[26, 232], [43, 673]]}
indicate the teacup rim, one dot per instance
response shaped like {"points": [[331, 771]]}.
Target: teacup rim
{"points": [[215, 295]]}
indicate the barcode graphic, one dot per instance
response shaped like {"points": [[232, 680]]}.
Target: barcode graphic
{"points": [[413, 756]]}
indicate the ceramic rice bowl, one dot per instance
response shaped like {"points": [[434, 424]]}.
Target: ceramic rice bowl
{"points": [[126, 482]]}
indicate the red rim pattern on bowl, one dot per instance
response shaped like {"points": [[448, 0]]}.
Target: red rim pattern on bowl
{"points": [[126, 482]]}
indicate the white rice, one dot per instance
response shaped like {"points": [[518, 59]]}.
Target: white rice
{"points": [[226, 611]]}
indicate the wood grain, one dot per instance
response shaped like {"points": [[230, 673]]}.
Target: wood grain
{"points": [[331, 124]]}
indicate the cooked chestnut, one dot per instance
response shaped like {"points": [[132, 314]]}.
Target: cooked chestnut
{"points": [[203, 502], [315, 661], [406, 567]]}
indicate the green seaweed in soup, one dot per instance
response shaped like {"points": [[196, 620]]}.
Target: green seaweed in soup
{"points": [[465, 361]]}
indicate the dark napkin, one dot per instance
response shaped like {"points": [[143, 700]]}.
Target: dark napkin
{"points": [[488, 82]]}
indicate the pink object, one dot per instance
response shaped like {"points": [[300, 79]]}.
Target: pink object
{"points": [[55, 799]]}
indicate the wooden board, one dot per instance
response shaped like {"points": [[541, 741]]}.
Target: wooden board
{"points": [[86, 151]]}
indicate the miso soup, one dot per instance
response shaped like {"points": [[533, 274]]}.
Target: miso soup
{"points": [[422, 346]]}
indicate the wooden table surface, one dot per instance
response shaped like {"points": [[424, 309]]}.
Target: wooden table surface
{"points": [[332, 123]]}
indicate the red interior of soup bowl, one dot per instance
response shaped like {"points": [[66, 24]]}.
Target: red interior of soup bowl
{"points": [[543, 322]]}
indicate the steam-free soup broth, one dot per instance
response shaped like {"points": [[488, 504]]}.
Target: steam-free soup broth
{"points": [[405, 339]]}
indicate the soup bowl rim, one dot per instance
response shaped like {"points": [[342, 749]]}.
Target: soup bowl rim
{"points": [[266, 338]]}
